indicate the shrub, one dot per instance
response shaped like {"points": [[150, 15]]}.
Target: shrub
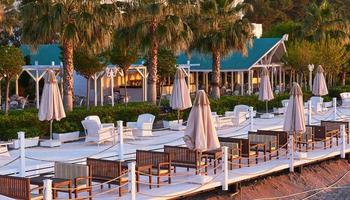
{"points": [[335, 91]]}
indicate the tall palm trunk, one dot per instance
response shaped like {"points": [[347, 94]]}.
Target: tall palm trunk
{"points": [[68, 74], [88, 92], [153, 63], [215, 82], [343, 78], [7, 97]]}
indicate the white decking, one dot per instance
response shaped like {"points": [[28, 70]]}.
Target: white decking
{"points": [[182, 183]]}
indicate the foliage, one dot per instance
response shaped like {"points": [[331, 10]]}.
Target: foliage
{"points": [[11, 61], [300, 54], [291, 28], [335, 91], [10, 29], [166, 64], [220, 30], [124, 51], [86, 64], [27, 120]]}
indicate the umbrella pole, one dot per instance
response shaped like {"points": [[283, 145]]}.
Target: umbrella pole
{"points": [[51, 129], [178, 116], [267, 107]]}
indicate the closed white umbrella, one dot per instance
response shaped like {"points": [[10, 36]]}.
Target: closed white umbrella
{"points": [[200, 133], [265, 90], [294, 121], [180, 96], [51, 106], [319, 87]]}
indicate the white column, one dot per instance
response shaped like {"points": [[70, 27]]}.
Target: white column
{"points": [[225, 168], [47, 190], [335, 108], [121, 140], [284, 80], [22, 170], [280, 78], [132, 180], [197, 76], [112, 90], [225, 79], [309, 112], [249, 82], [16, 86], [207, 82], [343, 140], [291, 153], [241, 76], [101, 90], [95, 89], [37, 89], [232, 82]]}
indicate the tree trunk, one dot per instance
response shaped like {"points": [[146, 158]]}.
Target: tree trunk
{"points": [[126, 89], [343, 78], [152, 65], [88, 93], [68, 74], [8, 80], [215, 82]]}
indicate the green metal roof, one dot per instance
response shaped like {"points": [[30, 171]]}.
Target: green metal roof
{"points": [[235, 61], [44, 54]]}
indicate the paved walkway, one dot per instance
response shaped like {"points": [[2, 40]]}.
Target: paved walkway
{"points": [[334, 194]]}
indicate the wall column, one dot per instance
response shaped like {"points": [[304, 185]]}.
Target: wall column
{"points": [[242, 82], [249, 82], [197, 76], [232, 83]]}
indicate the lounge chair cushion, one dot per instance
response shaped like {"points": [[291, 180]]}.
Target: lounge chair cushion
{"points": [[161, 171], [36, 196]]}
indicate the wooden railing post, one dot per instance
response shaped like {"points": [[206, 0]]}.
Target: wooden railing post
{"points": [[251, 117], [22, 169], [121, 140], [343, 140], [132, 180], [335, 108], [47, 190], [225, 168]]}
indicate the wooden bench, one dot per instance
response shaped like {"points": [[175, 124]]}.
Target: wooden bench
{"points": [[153, 163], [270, 141], [107, 170], [184, 157], [234, 150], [283, 137], [335, 125], [18, 188]]}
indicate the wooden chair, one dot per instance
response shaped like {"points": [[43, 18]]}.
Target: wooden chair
{"points": [[234, 149], [79, 174], [335, 125], [106, 170], [247, 150], [306, 139], [271, 143], [18, 188], [158, 162], [184, 157], [321, 135]]}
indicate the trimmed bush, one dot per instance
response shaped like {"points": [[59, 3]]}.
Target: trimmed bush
{"points": [[27, 120]]}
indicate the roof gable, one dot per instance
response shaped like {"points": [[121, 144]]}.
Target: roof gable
{"points": [[234, 61]]}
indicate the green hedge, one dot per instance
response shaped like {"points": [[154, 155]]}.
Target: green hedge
{"points": [[27, 120], [335, 91]]}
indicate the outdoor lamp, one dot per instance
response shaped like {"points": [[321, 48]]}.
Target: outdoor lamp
{"points": [[311, 68]]}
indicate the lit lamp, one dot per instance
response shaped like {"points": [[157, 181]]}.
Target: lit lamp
{"points": [[311, 68]]}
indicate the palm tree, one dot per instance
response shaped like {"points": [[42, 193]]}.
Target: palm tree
{"points": [[220, 30], [72, 23], [322, 23], [159, 23]]}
